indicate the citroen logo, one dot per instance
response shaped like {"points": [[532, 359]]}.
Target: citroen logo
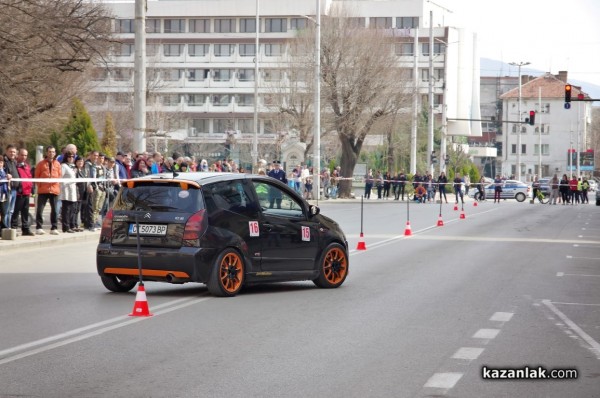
{"points": [[147, 215]]}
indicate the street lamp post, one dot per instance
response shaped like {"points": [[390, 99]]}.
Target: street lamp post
{"points": [[254, 152], [317, 111], [519, 65]]}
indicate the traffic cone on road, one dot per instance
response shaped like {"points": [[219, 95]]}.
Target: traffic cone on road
{"points": [[456, 206], [140, 308], [361, 243], [407, 230], [462, 214], [475, 204], [440, 222]]}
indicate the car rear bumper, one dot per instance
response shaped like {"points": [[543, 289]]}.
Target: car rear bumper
{"points": [[187, 264]]}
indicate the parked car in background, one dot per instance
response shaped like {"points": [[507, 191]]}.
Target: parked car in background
{"points": [[225, 230], [593, 185], [511, 189], [545, 185]]}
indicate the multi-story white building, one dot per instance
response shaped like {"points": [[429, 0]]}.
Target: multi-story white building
{"points": [[557, 131], [201, 58]]}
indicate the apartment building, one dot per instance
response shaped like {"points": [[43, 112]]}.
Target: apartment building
{"points": [[200, 65]]}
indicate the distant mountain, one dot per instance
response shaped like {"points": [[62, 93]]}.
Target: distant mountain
{"points": [[494, 68]]}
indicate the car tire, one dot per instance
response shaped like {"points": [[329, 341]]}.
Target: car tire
{"points": [[597, 202], [332, 266], [520, 197], [118, 285], [228, 274]]}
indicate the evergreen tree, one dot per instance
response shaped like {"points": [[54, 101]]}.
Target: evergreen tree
{"points": [[80, 130], [109, 139]]}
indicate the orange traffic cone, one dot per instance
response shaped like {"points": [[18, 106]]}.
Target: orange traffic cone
{"points": [[462, 214], [361, 243], [456, 206], [140, 308], [407, 230], [475, 204], [440, 222]]}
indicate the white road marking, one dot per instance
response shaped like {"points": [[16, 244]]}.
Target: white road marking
{"points": [[502, 316], [469, 353], [559, 303], [584, 258], [594, 346], [486, 333], [560, 274], [443, 380], [563, 274], [47, 343]]}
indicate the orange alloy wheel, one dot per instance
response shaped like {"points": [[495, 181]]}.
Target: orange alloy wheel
{"points": [[335, 266], [231, 272]]}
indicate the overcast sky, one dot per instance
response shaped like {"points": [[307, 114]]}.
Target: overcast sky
{"points": [[552, 35]]}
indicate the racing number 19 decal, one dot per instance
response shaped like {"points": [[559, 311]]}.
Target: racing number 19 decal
{"points": [[253, 226], [306, 234]]}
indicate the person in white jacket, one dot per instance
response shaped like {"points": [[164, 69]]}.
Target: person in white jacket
{"points": [[68, 193]]}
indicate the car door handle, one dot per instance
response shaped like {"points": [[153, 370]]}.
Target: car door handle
{"points": [[268, 227]]}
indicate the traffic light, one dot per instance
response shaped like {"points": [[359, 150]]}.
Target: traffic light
{"points": [[532, 117], [447, 160], [568, 93], [433, 157]]}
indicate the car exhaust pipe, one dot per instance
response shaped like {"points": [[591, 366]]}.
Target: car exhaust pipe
{"points": [[173, 279]]}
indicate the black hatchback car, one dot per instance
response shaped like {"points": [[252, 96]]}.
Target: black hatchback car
{"points": [[225, 230]]}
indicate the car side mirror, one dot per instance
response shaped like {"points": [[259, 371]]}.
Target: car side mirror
{"points": [[313, 210]]}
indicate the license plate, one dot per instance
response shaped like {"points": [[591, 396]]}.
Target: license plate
{"points": [[148, 229]]}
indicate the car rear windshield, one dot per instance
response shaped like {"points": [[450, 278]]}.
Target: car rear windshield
{"points": [[159, 197]]}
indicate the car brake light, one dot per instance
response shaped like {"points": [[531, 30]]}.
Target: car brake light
{"points": [[195, 226], [106, 231]]}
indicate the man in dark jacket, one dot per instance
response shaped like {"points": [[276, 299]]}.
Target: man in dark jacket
{"points": [[23, 194], [10, 166]]}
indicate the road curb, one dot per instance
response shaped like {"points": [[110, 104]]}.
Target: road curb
{"points": [[35, 242]]}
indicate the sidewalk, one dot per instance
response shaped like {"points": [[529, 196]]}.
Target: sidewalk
{"points": [[47, 240]]}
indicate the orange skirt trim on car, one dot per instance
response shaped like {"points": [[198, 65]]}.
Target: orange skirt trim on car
{"points": [[146, 272]]}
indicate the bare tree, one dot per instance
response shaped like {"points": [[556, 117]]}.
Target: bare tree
{"points": [[362, 84], [45, 45]]}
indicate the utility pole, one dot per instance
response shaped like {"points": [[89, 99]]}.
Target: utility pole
{"points": [[430, 96], [317, 111], [254, 151], [139, 78], [519, 65]]}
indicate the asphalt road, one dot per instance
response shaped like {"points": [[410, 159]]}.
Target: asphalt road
{"points": [[509, 286]]}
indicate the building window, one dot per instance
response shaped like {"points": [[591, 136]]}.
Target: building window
{"points": [[201, 125], [196, 99], [152, 49], [247, 25], [198, 50], [272, 75], [298, 23], [197, 75], [222, 75], [523, 130], [545, 149], [275, 25], [407, 22], [123, 50], [438, 99], [438, 74], [356, 22], [99, 74], [438, 48], [514, 129], [380, 22], [174, 25], [424, 75], [523, 149], [244, 99], [123, 99], [405, 49], [246, 125], [247, 50], [121, 74], [274, 50], [171, 75], [99, 98], [246, 75], [222, 125], [172, 50], [199, 25], [152, 25], [224, 50], [124, 26], [513, 150], [170, 99], [221, 99], [269, 127], [224, 25]]}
